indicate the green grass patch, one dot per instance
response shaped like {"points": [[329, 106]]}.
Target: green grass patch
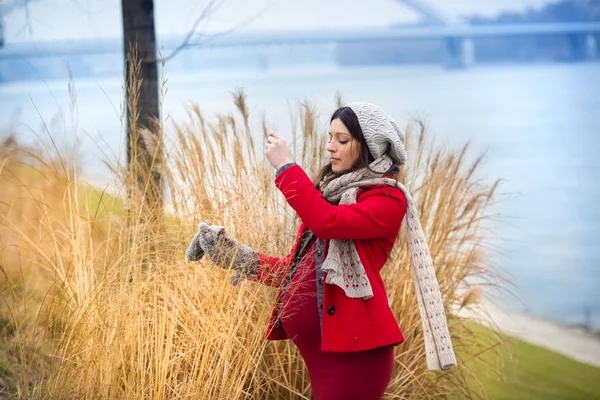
{"points": [[532, 372], [99, 201]]}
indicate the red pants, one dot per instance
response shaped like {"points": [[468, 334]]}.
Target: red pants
{"points": [[358, 375]]}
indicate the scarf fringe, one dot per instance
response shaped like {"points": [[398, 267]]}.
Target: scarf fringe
{"points": [[338, 280]]}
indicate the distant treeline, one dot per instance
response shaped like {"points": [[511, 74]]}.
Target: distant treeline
{"points": [[563, 11], [497, 49]]}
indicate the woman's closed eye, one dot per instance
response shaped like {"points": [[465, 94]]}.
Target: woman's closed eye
{"points": [[341, 142]]}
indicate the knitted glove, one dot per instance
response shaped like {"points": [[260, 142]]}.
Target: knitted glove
{"points": [[223, 251], [194, 251]]}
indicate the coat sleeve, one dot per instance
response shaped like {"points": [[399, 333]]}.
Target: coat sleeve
{"points": [[272, 270], [377, 213]]}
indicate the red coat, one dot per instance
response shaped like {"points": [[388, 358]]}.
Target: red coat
{"points": [[373, 222]]}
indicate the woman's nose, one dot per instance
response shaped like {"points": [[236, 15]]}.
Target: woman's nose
{"points": [[330, 148]]}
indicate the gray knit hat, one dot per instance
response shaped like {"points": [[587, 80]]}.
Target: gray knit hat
{"points": [[381, 133]]}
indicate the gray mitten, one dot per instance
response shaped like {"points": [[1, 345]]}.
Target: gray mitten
{"points": [[194, 251], [224, 251]]}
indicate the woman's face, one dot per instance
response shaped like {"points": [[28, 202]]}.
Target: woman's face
{"points": [[343, 149]]}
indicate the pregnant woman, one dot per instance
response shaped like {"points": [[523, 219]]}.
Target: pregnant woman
{"points": [[332, 302]]}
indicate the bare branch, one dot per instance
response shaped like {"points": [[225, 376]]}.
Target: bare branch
{"points": [[208, 10], [205, 14], [6, 7]]}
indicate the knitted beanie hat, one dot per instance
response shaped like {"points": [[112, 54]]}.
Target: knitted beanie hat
{"points": [[381, 133]]}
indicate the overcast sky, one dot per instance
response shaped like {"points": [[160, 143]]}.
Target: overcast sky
{"points": [[66, 19]]}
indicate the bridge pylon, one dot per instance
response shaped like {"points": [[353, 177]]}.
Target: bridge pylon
{"points": [[460, 51], [582, 46]]}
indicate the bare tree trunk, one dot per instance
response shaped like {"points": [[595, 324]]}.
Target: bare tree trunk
{"points": [[144, 145]]}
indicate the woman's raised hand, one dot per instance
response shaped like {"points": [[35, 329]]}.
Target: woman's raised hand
{"points": [[277, 152]]}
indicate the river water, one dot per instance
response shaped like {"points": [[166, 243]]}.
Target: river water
{"points": [[540, 126]]}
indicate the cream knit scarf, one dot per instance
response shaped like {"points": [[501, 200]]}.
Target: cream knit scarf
{"points": [[344, 268]]}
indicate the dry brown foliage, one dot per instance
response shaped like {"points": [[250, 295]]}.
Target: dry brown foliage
{"points": [[100, 303]]}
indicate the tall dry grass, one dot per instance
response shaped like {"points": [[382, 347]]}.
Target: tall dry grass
{"points": [[98, 302]]}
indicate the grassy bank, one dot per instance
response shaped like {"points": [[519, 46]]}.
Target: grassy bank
{"points": [[531, 372]]}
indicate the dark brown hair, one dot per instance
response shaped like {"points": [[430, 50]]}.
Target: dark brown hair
{"points": [[347, 116]]}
